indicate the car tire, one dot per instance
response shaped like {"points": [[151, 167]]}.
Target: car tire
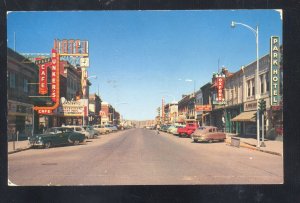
{"points": [[47, 145], [75, 142], [210, 141], [195, 141]]}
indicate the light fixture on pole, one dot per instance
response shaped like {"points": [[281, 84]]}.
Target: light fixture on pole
{"points": [[257, 95], [86, 102]]}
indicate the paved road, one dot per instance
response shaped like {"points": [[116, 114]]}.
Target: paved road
{"points": [[141, 157]]}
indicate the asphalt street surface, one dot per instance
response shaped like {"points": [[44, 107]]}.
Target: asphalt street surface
{"points": [[143, 157]]}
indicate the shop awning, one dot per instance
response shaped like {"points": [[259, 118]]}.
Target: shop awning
{"points": [[247, 116]]}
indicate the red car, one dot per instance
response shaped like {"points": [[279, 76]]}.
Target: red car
{"points": [[190, 127], [208, 134]]}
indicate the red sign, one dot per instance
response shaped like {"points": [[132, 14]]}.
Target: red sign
{"points": [[54, 75], [203, 108], [44, 111], [220, 86], [43, 65]]}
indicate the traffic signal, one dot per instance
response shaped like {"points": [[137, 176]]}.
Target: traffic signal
{"points": [[262, 106]]}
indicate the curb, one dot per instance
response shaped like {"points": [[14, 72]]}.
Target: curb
{"points": [[249, 146], [19, 150]]}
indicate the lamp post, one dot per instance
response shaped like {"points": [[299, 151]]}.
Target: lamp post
{"points": [[86, 102], [257, 95]]}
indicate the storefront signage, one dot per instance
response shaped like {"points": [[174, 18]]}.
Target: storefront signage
{"points": [[203, 108], [71, 108], [219, 84], [54, 75], [43, 64], [250, 106], [275, 70], [54, 95], [44, 111], [72, 47]]}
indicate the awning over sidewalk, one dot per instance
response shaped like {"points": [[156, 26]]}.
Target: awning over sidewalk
{"points": [[247, 116]]}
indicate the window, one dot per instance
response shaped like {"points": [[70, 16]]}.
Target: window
{"points": [[12, 80], [25, 85], [248, 84], [262, 84], [253, 87], [268, 81]]}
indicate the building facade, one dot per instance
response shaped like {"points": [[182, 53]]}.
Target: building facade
{"points": [[21, 76]]}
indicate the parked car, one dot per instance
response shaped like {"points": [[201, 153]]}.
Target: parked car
{"points": [[112, 127], [190, 127], [93, 133], [164, 128], [80, 129], [173, 129], [208, 134], [102, 129], [57, 136]]}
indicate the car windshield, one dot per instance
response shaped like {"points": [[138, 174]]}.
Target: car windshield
{"points": [[50, 130]]}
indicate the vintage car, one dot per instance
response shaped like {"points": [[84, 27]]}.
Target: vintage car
{"points": [[190, 127], [173, 129], [208, 134], [57, 136], [86, 130], [102, 129], [112, 127]]}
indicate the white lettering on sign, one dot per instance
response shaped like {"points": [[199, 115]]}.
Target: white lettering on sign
{"points": [[275, 63]]}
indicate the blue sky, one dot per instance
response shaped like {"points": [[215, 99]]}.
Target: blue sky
{"points": [[138, 56]]}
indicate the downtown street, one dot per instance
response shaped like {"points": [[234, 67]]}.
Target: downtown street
{"points": [[140, 156]]}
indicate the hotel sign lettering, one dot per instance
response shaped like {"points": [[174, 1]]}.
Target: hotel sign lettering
{"points": [[275, 70]]}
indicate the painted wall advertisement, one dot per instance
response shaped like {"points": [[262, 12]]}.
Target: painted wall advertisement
{"points": [[275, 71]]}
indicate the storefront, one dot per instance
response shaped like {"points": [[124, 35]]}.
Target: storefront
{"points": [[229, 113], [20, 120], [69, 113]]}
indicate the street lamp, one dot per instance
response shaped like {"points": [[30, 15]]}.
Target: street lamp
{"points": [[255, 32], [86, 103]]}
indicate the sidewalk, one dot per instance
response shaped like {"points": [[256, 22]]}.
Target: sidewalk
{"points": [[271, 146], [19, 146]]}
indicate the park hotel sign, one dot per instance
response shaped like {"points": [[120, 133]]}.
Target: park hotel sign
{"points": [[275, 70]]}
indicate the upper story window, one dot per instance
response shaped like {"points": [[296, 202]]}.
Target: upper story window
{"points": [[25, 85], [262, 82], [253, 87], [249, 88], [267, 82], [12, 80]]}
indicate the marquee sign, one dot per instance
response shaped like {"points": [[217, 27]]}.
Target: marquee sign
{"points": [[275, 70], [71, 108]]}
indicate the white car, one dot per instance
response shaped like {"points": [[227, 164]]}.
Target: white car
{"points": [[102, 129], [112, 127], [84, 130]]}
